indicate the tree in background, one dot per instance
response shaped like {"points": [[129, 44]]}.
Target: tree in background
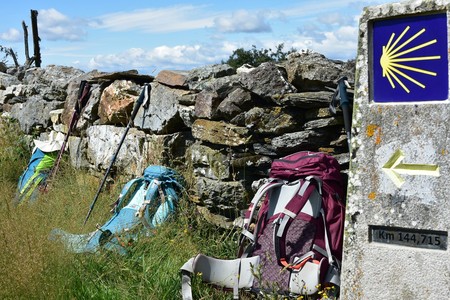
{"points": [[256, 57], [36, 58], [8, 52]]}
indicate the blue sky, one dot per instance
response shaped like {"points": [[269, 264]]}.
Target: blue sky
{"points": [[178, 35]]}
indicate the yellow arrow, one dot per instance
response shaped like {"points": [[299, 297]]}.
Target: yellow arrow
{"points": [[393, 168]]}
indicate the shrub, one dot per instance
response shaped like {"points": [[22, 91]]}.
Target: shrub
{"points": [[256, 57]]}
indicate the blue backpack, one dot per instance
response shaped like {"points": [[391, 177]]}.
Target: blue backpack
{"points": [[35, 175], [144, 203], [39, 167]]}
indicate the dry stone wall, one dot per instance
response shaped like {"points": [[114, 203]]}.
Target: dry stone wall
{"points": [[222, 126]]}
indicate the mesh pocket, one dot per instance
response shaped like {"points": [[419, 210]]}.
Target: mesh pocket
{"points": [[270, 275]]}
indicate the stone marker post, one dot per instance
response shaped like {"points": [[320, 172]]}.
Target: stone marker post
{"points": [[398, 210]]}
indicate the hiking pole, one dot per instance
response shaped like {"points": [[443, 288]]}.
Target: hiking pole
{"points": [[83, 97], [345, 105], [143, 98], [340, 97]]}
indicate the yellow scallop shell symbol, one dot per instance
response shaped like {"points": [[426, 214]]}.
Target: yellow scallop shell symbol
{"points": [[391, 59]]}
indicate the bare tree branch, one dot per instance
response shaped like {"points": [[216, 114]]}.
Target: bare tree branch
{"points": [[9, 52], [25, 42], [14, 56]]}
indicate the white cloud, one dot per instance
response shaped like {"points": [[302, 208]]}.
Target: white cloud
{"points": [[159, 58], [71, 50], [334, 19], [12, 35], [243, 21], [168, 19], [319, 28], [338, 44], [325, 8], [314, 8], [228, 47], [53, 26], [184, 18]]}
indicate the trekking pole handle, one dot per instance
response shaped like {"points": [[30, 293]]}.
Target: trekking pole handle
{"points": [[343, 85], [83, 92], [81, 88], [143, 97], [345, 105]]}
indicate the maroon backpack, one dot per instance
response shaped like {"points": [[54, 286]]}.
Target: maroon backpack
{"points": [[300, 223], [292, 234]]}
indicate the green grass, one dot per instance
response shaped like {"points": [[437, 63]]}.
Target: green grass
{"points": [[34, 267]]}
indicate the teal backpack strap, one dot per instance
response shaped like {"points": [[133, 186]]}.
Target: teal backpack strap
{"points": [[166, 207], [158, 204], [150, 198], [119, 202]]}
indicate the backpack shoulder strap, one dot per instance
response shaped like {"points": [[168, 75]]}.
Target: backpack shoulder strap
{"points": [[247, 234], [327, 241], [149, 196], [124, 192], [163, 205], [290, 212]]}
